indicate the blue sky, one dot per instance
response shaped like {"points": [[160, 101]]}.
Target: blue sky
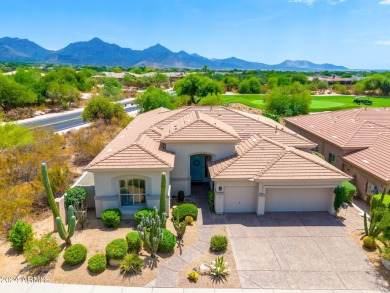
{"points": [[353, 33]]}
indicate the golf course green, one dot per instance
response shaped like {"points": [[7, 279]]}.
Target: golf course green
{"points": [[318, 104]]}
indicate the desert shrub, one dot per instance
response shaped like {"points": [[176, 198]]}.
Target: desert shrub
{"points": [[187, 209], [88, 142], [211, 200], [42, 251], [218, 243], [369, 242], [142, 213], [75, 254], [97, 263], [193, 276], [189, 220], [375, 201], [167, 243], [131, 264], [134, 242], [116, 249], [351, 190], [20, 233], [272, 116], [111, 218], [75, 196], [340, 196]]}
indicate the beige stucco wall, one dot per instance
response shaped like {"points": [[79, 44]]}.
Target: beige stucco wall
{"points": [[180, 175], [360, 178], [107, 187]]}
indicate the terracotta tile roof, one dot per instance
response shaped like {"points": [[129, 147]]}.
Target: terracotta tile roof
{"points": [[375, 159], [348, 129], [196, 126], [261, 158], [145, 153], [138, 145], [246, 125], [130, 141]]}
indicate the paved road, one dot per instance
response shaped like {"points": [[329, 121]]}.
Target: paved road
{"points": [[65, 120]]}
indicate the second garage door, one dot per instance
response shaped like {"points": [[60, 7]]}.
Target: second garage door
{"points": [[240, 199], [297, 199]]}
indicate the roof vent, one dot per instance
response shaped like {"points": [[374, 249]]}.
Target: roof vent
{"points": [[365, 161], [254, 139], [334, 136], [109, 150]]}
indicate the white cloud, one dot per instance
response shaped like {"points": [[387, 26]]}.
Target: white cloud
{"points": [[382, 42], [385, 2], [311, 2], [308, 2]]}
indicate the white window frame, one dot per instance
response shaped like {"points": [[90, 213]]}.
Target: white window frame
{"points": [[132, 196]]}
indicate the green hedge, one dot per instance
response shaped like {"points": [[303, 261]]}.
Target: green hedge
{"points": [[97, 263], [75, 254], [187, 209], [134, 242], [111, 218], [351, 189], [167, 244], [116, 249], [142, 213]]}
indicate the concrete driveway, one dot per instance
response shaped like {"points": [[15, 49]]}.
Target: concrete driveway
{"points": [[298, 251]]}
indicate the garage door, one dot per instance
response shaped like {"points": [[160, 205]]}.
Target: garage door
{"points": [[240, 199], [299, 199]]}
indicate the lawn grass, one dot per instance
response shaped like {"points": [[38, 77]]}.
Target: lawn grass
{"points": [[319, 103]]}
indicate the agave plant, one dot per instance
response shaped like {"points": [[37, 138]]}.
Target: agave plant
{"points": [[219, 269]]}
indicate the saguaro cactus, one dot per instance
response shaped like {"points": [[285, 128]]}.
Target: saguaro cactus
{"points": [[150, 231], [64, 234], [163, 194]]}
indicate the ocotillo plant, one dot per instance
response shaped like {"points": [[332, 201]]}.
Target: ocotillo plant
{"points": [[64, 234], [151, 232], [163, 194]]}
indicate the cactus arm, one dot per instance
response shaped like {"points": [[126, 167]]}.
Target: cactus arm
{"points": [[71, 226], [163, 195], [365, 224], [49, 192], [61, 230], [373, 223]]}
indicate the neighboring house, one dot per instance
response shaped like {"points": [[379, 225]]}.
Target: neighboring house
{"points": [[354, 141], [252, 163]]}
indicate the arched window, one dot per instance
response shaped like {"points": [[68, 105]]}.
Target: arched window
{"points": [[132, 191]]}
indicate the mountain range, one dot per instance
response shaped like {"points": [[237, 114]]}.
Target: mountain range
{"points": [[98, 52]]}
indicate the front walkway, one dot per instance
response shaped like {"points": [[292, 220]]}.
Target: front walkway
{"points": [[167, 275]]}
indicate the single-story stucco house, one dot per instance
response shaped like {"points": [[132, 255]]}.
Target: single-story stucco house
{"points": [[356, 141], [253, 163]]}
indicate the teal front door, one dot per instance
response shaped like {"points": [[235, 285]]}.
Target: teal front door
{"points": [[197, 167]]}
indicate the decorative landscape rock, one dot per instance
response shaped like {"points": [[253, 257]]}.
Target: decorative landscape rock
{"points": [[386, 263], [204, 269]]}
